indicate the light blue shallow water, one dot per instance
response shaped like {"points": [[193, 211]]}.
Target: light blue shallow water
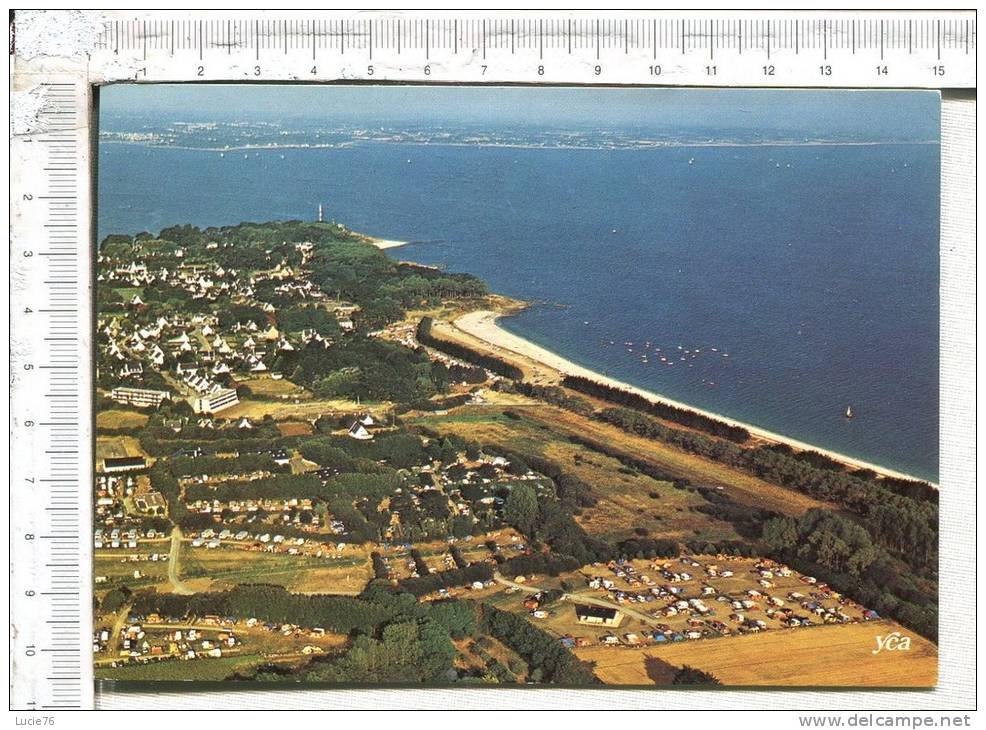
{"points": [[811, 270]]}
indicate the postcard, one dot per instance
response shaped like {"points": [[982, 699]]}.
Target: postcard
{"points": [[496, 386]]}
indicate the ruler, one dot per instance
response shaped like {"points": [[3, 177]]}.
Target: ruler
{"points": [[51, 456], [52, 218], [918, 49]]}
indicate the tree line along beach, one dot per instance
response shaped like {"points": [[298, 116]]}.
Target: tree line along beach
{"points": [[549, 368]]}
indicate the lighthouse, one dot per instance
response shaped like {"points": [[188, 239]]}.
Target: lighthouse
{"points": [[320, 220]]}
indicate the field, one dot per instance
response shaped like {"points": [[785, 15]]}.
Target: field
{"points": [[294, 428], [256, 644], [820, 656], [117, 446], [625, 498], [226, 567], [559, 425], [345, 572], [267, 387], [129, 292], [114, 419], [737, 484], [300, 410], [118, 567]]}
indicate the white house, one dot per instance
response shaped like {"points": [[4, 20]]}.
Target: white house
{"points": [[357, 431]]}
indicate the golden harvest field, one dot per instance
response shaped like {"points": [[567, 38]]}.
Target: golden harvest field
{"points": [[820, 656]]}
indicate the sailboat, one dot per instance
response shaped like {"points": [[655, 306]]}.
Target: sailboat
{"points": [[849, 412]]}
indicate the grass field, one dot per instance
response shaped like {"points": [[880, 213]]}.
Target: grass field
{"points": [[302, 410], [199, 670], [348, 573], [117, 446], [227, 567], [625, 499], [295, 428], [118, 569], [114, 419], [544, 423], [739, 485], [820, 656], [129, 292], [267, 387]]}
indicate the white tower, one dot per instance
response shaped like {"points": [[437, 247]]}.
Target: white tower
{"points": [[320, 220]]}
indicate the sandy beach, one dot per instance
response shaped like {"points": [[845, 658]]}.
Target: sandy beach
{"points": [[482, 325], [384, 243]]}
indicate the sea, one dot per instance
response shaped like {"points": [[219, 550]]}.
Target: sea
{"points": [[775, 284]]}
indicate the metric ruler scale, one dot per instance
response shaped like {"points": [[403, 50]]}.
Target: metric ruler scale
{"points": [[51, 455], [917, 49]]}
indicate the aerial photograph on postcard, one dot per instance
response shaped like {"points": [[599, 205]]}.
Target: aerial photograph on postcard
{"points": [[472, 386]]}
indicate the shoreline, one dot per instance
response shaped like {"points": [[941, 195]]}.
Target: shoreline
{"points": [[482, 325], [385, 243], [640, 145]]}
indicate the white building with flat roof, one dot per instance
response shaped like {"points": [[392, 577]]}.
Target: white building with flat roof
{"points": [[141, 397], [214, 402]]}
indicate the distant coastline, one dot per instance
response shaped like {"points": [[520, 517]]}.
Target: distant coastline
{"points": [[629, 145], [482, 325]]}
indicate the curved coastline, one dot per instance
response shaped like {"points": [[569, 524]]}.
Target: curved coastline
{"points": [[482, 325]]}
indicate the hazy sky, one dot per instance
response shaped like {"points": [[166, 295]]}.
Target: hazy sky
{"points": [[873, 114]]}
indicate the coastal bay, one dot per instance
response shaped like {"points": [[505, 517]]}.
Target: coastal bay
{"points": [[703, 256]]}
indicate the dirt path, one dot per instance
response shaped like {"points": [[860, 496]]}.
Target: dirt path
{"points": [[174, 563], [584, 600], [121, 620]]}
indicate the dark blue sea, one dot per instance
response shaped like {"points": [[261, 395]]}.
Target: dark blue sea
{"points": [[784, 283]]}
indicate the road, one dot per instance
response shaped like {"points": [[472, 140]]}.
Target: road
{"points": [[174, 563], [584, 600]]}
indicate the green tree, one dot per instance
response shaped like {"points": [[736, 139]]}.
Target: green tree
{"points": [[521, 508], [780, 533], [690, 675]]}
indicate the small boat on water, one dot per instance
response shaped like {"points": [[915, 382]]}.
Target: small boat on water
{"points": [[849, 412]]}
